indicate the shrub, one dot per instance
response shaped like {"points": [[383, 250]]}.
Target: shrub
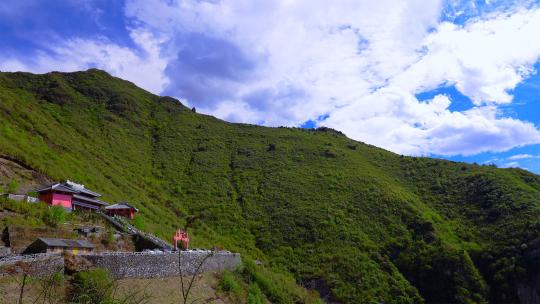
{"points": [[138, 222], [329, 153], [110, 237], [273, 289], [56, 215], [8, 131], [12, 186], [228, 282], [255, 295], [92, 286]]}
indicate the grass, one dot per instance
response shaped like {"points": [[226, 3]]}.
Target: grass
{"points": [[29, 221], [312, 205]]}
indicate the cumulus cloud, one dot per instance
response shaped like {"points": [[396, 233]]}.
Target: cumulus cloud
{"points": [[353, 65], [359, 63], [484, 59], [206, 69], [326, 55], [143, 66]]}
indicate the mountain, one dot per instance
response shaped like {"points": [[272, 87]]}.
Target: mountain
{"points": [[355, 222]]}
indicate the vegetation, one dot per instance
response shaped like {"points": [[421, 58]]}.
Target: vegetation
{"points": [[92, 286], [138, 222], [355, 222], [12, 186], [255, 295], [95, 286], [33, 215], [56, 215], [231, 286]]}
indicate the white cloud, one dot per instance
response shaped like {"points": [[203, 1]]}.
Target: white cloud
{"points": [[483, 59], [315, 47], [144, 66], [362, 62], [522, 156], [511, 165], [358, 62]]}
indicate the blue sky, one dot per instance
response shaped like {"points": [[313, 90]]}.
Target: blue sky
{"points": [[454, 79]]}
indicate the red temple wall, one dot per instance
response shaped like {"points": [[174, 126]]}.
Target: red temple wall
{"points": [[63, 200]]}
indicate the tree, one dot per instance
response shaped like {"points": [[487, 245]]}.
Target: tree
{"points": [[187, 286]]}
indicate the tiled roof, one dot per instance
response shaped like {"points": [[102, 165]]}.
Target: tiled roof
{"points": [[68, 187], [121, 205], [89, 192], [58, 187], [88, 200], [51, 242]]}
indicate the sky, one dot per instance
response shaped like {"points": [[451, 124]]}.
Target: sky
{"points": [[455, 79]]}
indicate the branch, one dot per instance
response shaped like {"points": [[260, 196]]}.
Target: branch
{"points": [[195, 274]]}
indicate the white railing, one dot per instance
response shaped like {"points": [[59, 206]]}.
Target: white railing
{"points": [[157, 252]]}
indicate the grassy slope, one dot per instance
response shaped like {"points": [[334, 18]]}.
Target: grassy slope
{"points": [[372, 225]]}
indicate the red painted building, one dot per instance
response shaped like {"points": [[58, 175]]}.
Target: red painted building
{"points": [[122, 209], [71, 196]]}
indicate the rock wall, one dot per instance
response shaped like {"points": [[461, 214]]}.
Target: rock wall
{"points": [[38, 265], [159, 265], [4, 251]]}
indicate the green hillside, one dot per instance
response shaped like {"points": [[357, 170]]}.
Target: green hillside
{"points": [[360, 223]]}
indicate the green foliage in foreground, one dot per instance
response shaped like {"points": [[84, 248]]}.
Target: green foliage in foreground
{"points": [[56, 215], [92, 286], [359, 224], [138, 221], [253, 284], [255, 295], [33, 215]]}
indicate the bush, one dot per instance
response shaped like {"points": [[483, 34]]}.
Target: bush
{"points": [[12, 186], [230, 285], [138, 222], [56, 215], [273, 289], [92, 286], [255, 295], [228, 282], [110, 238]]}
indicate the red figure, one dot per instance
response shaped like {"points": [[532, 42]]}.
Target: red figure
{"points": [[183, 237]]}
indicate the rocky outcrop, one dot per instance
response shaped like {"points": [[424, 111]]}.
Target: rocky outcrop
{"points": [[27, 178]]}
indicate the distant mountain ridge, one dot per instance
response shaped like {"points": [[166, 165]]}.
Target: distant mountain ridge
{"points": [[358, 223]]}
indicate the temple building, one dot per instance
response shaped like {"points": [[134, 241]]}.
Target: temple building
{"points": [[122, 209], [71, 196]]}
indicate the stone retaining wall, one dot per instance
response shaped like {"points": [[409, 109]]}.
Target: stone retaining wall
{"points": [[4, 251], [159, 265], [39, 265]]}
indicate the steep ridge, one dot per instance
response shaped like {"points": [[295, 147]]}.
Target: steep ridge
{"points": [[361, 224]]}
